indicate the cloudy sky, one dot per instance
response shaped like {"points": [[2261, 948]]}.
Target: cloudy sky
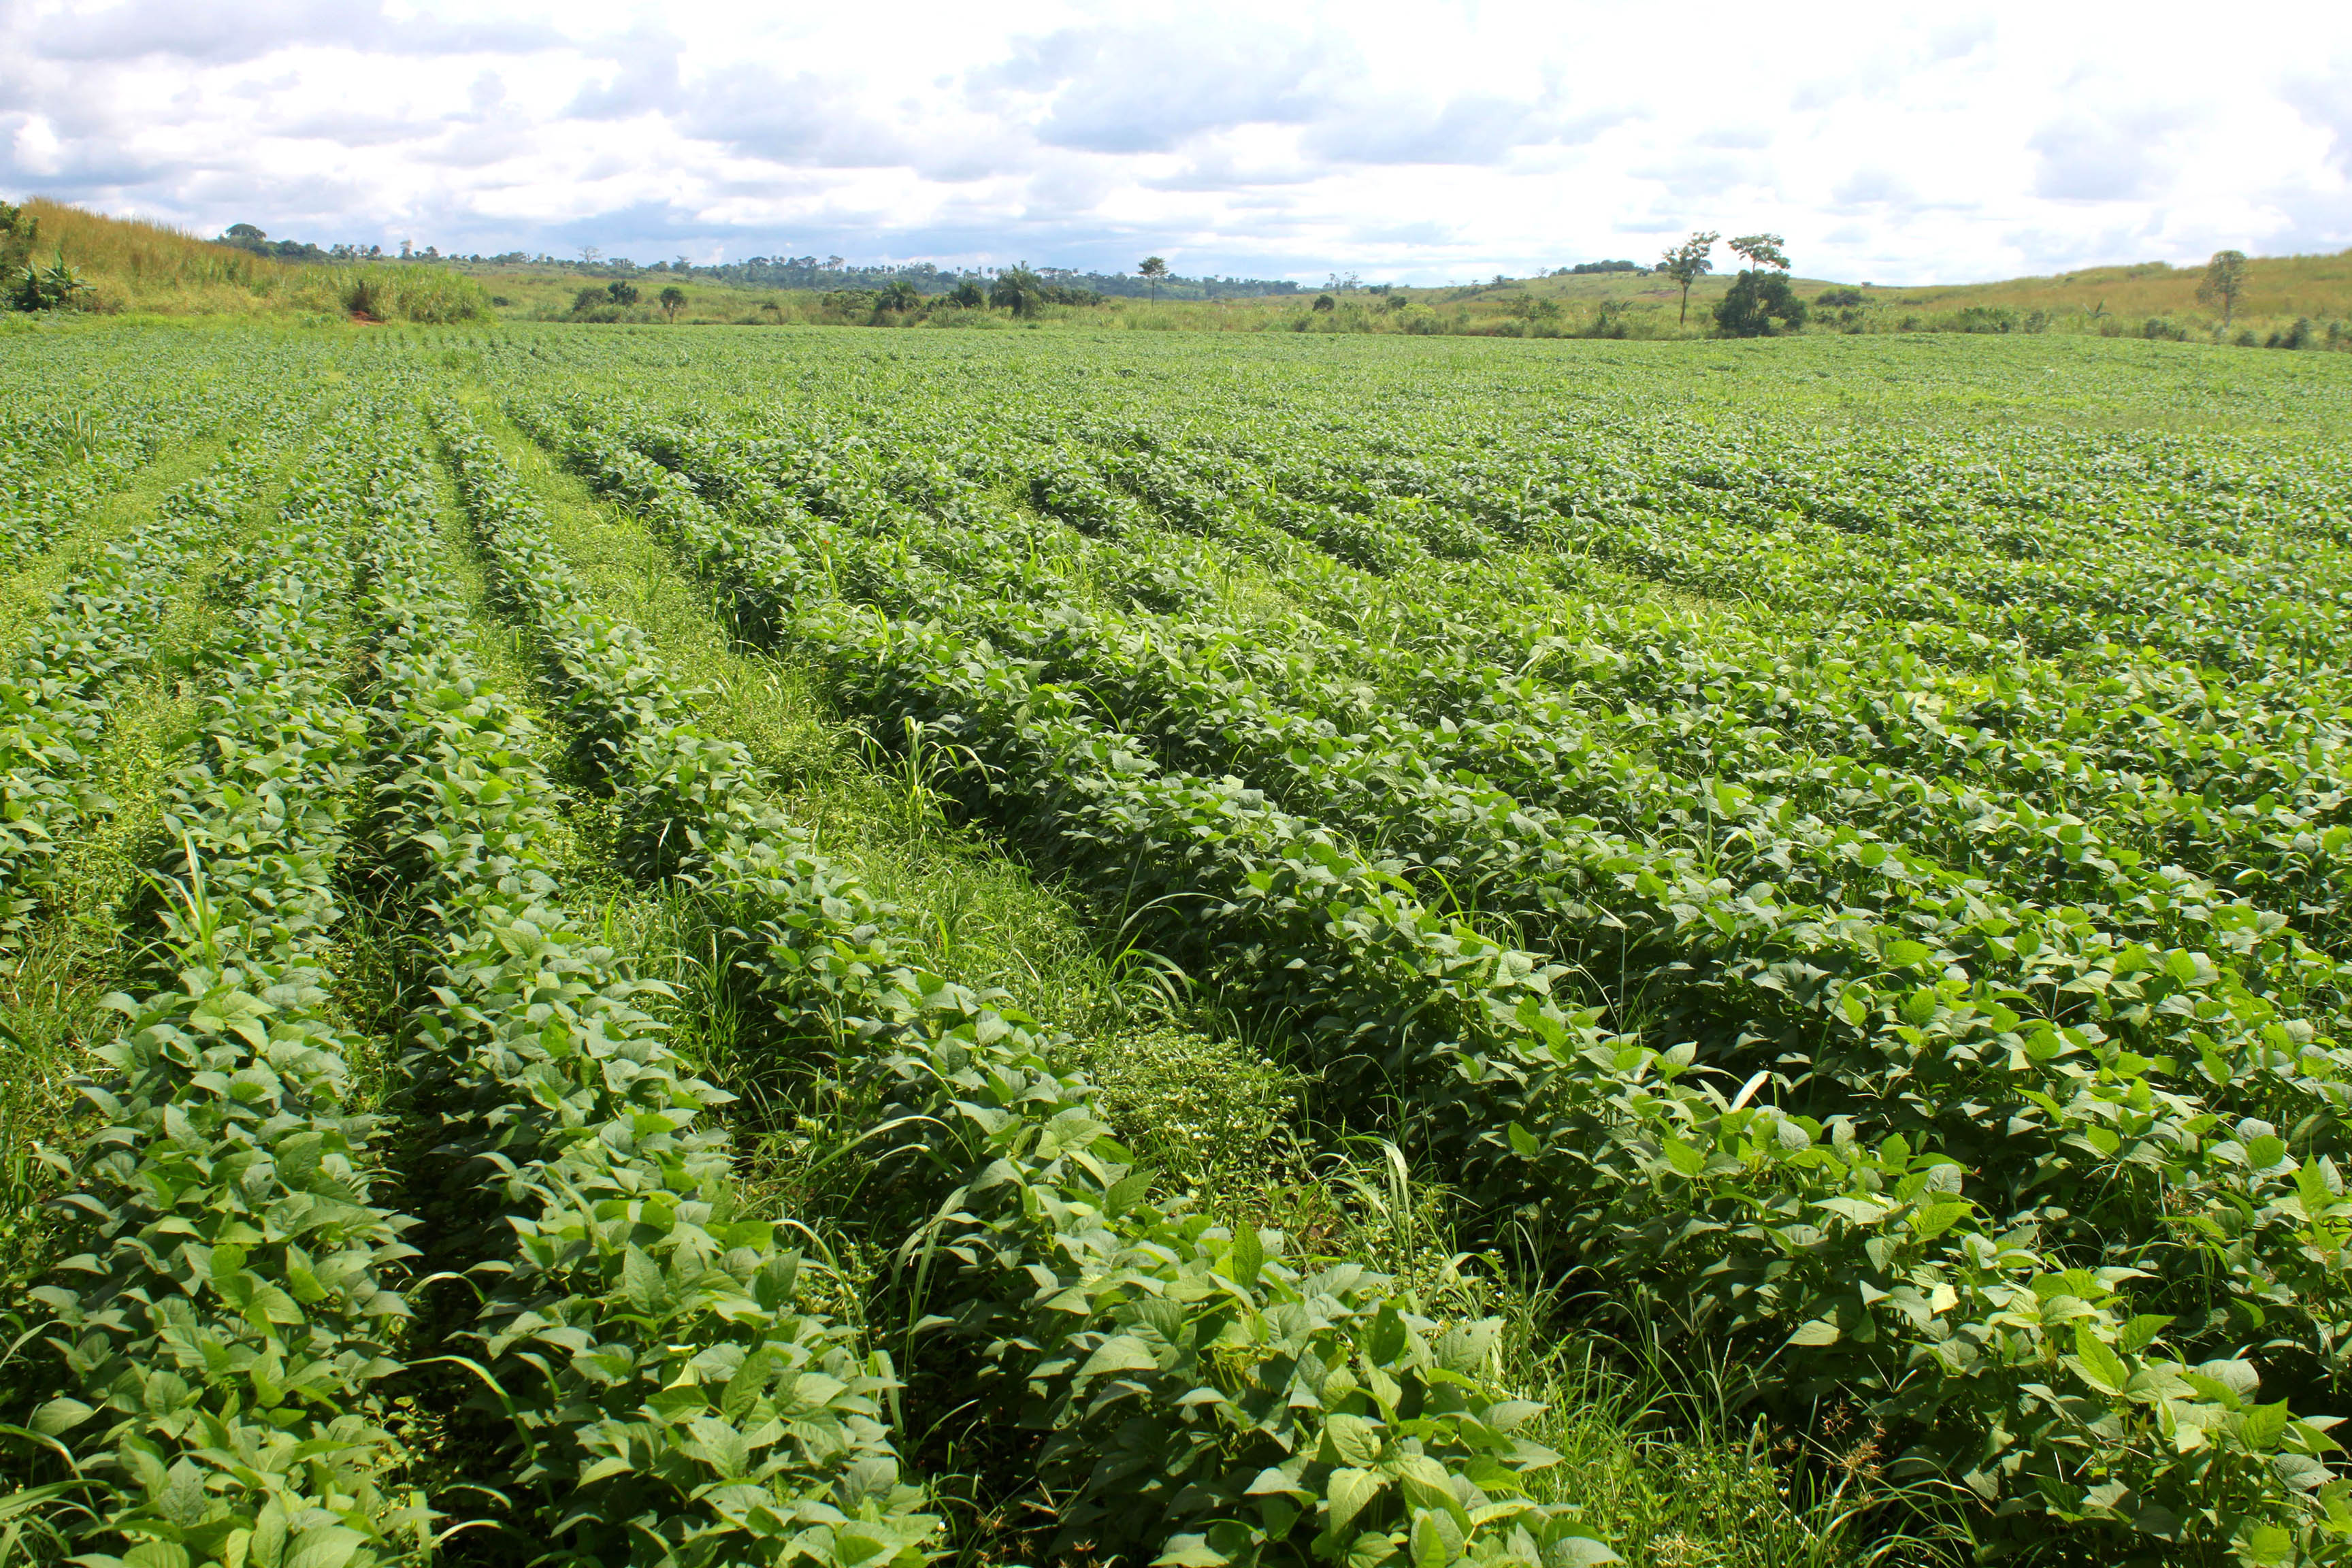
{"points": [[1891, 141]]}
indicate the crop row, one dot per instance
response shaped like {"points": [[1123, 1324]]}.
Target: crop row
{"points": [[1142, 671], [1361, 1432], [1622, 890], [2063, 542], [1403, 788], [1886, 703], [638, 1334], [1885, 739], [2243, 782], [1680, 501], [1887, 707], [217, 1348], [2109, 841], [57, 695], [1893, 1270], [61, 468]]}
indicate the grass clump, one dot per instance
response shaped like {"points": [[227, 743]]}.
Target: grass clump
{"points": [[391, 291]]}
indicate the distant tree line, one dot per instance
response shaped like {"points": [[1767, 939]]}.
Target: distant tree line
{"points": [[245, 236], [833, 274], [1021, 291], [825, 275]]}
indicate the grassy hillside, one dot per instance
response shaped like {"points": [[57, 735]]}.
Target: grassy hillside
{"points": [[2146, 300], [2279, 289], [132, 265]]}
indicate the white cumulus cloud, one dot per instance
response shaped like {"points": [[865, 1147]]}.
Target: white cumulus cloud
{"points": [[1898, 141]]}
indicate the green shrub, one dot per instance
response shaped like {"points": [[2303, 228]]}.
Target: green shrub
{"points": [[19, 230], [1019, 290], [393, 293], [56, 287], [2304, 334], [1761, 303], [1987, 319]]}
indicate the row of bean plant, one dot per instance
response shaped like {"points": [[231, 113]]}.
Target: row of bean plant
{"points": [[99, 632], [1894, 1271], [666, 1397], [1372, 1433], [211, 1363]]}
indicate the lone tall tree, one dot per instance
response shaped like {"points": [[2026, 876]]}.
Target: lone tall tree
{"points": [[1689, 262], [2224, 280], [1154, 268], [1760, 251], [673, 300]]}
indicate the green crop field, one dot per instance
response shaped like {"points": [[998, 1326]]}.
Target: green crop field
{"points": [[636, 946]]}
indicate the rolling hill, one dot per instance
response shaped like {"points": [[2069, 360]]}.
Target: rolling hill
{"points": [[135, 266]]}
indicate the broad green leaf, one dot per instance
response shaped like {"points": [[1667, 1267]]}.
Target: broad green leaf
{"points": [[1435, 1541], [2267, 1544], [324, 1546], [270, 1535], [1249, 1254], [1353, 1439], [62, 1414], [2260, 1428], [1121, 1352], [642, 1286], [1128, 1191], [1348, 1492], [2098, 1365], [720, 1446], [1932, 1220], [750, 1380], [2141, 1331]]}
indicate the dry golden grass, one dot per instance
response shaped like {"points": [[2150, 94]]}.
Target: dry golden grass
{"points": [[2278, 287], [135, 264], [132, 264]]}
